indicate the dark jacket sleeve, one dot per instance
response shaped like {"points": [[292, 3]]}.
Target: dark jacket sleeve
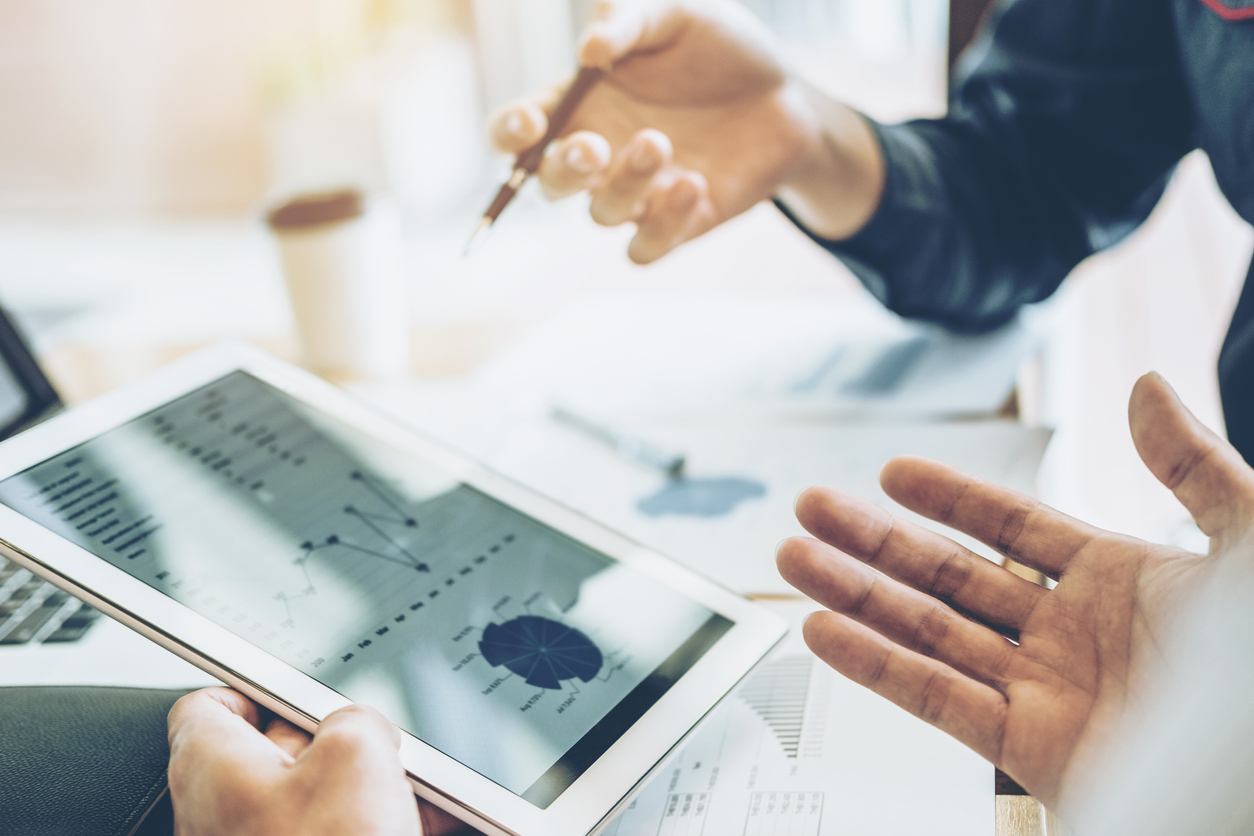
{"points": [[1066, 119]]}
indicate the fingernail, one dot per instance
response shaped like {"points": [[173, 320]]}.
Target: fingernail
{"points": [[513, 123], [578, 160], [644, 158]]}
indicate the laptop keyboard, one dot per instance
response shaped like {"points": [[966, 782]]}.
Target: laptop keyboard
{"points": [[34, 611]]}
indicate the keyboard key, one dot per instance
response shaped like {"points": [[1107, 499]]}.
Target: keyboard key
{"points": [[26, 631], [56, 599], [26, 590], [73, 628], [7, 570], [67, 634], [24, 587]]}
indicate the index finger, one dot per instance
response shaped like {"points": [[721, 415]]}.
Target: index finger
{"points": [[923, 559], [356, 743], [1016, 525], [522, 123], [218, 730], [211, 706]]}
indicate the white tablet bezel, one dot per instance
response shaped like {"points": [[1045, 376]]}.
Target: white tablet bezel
{"points": [[583, 806]]}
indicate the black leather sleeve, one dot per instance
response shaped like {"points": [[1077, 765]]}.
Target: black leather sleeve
{"points": [[82, 761], [1066, 119]]}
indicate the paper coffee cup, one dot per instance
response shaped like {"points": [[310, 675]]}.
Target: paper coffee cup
{"points": [[342, 261]]}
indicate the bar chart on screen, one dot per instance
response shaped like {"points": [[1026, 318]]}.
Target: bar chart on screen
{"points": [[797, 750]]}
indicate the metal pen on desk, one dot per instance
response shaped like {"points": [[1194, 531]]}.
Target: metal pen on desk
{"points": [[528, 162], [627, 446]]}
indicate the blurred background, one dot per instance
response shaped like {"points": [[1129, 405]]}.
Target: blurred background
{"points": [[187, 109], [144, 140]]}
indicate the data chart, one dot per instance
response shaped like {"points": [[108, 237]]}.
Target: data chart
{"points": [[487, 633], [542, 651]]}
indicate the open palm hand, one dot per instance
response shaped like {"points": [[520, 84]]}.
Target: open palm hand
{"points": [[1034, 680]]}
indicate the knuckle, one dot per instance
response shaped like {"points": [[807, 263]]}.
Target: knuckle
{"points": [[188, 702], [876, 676], [931, 631], [952, 575], [863, 597], [948, 513], [934, 698], [881, 539], [1184, 468], [181, 706], [1013, 525]]}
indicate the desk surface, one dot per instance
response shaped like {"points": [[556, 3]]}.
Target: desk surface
{"points": [[153, 294]]}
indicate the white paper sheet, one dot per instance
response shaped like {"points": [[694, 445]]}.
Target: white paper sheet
{"points": [[737, 548], [798, 750], [706, 355]]}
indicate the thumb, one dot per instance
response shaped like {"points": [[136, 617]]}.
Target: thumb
{"points": [[1204, 471], [620, 27], [353, 770], [355, 746]]}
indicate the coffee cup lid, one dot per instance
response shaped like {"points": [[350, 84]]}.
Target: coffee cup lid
{"points": [[317, 209]]}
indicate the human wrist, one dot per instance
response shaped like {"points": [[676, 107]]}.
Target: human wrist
{"points": [[836, 183]]}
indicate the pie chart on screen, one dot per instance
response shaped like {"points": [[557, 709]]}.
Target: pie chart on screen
{"points": [[542, 651]]}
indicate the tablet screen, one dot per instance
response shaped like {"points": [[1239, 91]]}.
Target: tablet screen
{"points": [[494, 638]]}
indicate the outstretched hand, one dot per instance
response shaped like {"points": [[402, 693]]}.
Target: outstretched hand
{"points": [[1034, 680], [696, 121], [235, 771]]}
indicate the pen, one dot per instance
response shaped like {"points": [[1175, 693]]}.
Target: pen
{"points": [[627, 446], [528, 162]]}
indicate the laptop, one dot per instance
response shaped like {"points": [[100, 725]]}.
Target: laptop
{"points": [[48, 637]]}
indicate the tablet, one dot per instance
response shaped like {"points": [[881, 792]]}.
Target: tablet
{"points": [[263, 525]]}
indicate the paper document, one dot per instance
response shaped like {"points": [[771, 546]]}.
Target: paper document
{"points": [[701, 356], [798, 750], [735, 503]]}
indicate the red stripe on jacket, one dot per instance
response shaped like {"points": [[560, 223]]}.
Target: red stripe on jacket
{"points": [[1229, 13]]}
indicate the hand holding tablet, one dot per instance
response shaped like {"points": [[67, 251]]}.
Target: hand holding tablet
{"points": [[226, 776], [311, 554]]}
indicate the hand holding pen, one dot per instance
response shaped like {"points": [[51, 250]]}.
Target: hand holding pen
{"points": [[529, 160], [693, 122]]}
